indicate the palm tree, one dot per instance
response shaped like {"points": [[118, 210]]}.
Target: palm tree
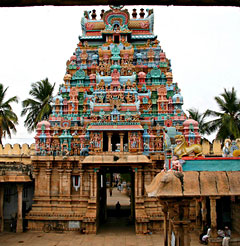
{"points": [[201, 119], [227, 121], [8, 119], [39, 106]]}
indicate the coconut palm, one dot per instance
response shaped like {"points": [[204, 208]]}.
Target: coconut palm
{"points": [[227, 121], [8, 119], [201, 119], [38, 107]]}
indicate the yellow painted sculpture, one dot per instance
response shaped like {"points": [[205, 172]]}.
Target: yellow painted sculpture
{"points": [[182, 147]]}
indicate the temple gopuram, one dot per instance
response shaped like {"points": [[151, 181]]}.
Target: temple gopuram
{"points": [[120, 112], [118, 109]]}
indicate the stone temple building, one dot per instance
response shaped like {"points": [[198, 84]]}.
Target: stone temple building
{"points": [[119, 111]]}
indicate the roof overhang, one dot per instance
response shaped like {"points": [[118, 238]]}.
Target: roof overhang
{"points": [[195, 184], [115, 128], [109, 159], [15, 178]]}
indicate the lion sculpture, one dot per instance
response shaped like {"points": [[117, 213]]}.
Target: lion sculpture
{"points": [[182, 147]]}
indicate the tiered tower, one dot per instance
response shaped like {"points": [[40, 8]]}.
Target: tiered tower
{"points": [[118, 101], [118, 80]]}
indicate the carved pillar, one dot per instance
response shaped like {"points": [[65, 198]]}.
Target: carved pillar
{"points": [[91, 183], [140, 182], [204, 212], [213, 213], [69, 180], [165, 225], [136, 182], [109, 134], [177, 235], [36, 177], [81, 183], [60, 172], [48, 176], [187, 239], [198, 212], [19, 214], [121, 134], [94, 184], [1, 209], [169, 233]]}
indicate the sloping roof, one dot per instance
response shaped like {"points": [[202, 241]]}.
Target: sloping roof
{"points": [[108, 159], [194, 183]]}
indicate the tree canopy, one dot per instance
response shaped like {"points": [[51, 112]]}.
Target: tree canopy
{"points": [[227, 120], [39, 106], [8, 119]]}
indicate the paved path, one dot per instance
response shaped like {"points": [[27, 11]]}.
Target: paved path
{"points": [[117, 196], [107, 238], [116, 232]]}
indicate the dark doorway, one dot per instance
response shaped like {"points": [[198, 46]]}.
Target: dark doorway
{"points": [[224, 212], [105, 142], [116, 39], [115, 142], [116, 204]]}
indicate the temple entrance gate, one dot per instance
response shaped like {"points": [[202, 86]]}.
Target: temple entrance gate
{"points": [[116, 184]]}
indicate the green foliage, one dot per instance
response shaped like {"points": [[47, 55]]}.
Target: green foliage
{"points": [[201, 119], [39, 106], [8, 119], [227, 120], [125, 177]]}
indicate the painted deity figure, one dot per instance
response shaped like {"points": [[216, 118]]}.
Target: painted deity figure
{"points": [[176, 165], [226, 148], [133, 141]]}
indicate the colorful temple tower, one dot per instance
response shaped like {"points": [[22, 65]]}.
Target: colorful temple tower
{"points": [[118, 107]]}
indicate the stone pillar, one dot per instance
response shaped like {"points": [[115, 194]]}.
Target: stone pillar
{"points": [[165, 226], [19, 214], [94, 184], [60, 172], [213, 213], [69, 179], [177, 235], [91, 183], [187, 239], [36, 177], [140, 182], [109, 134], [81, 182], [48, 175], [198, 212], [1, 208], [204, 212], [136, 182], [169, 233], [121, 135]]}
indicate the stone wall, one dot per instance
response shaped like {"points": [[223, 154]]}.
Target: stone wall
{"points": [[17, 153]]}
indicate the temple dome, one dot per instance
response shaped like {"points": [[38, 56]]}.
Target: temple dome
{"points": [[177, 98], [187, 123], [43, 123]]}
